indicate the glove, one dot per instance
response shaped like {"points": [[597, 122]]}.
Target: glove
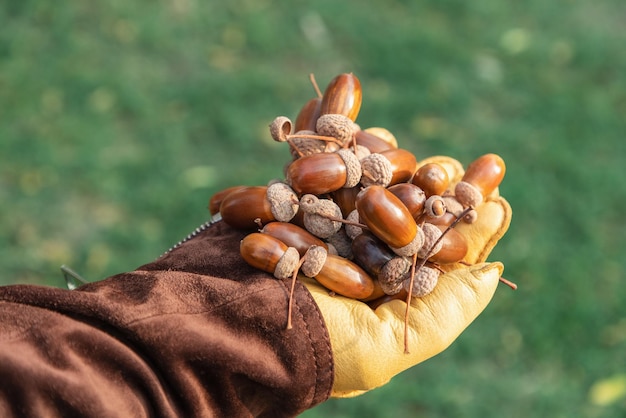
{"points": [[368, 345]]}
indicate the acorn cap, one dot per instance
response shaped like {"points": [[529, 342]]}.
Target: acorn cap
{"points": [[338, 126], [280, 128], [301, 146], [424, 282], [453, 205], [316, 216], [376, 170], [468, 194], [431, 235], [393, 274], [435, 206], [342, 243], [471, 216], [283, 201], [391, 288], [361, 151], [353, 167], [287, 264], [353, 231], [313, 260]]}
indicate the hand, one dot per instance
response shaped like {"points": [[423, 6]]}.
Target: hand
{"points": [[369, 345]]}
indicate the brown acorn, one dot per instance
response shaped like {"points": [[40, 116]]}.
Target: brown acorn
{"points": [[308, 115], [412, 196], [324, 172], [346, 278], [343, 96], [386, 217], [481, 178], [216, 200], [432, 178], [269, 254], [293, 236]]}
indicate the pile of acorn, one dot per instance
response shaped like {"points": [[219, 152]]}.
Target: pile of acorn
{"points": [[355, 212]]}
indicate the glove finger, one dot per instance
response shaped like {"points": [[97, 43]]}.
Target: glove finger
{"points": [[494, 219], [368, 345]]}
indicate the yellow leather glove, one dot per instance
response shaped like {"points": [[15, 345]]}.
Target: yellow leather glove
{"points": [[368, 345]]}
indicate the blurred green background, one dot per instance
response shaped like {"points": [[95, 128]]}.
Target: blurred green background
{"points": [[119, 119]]}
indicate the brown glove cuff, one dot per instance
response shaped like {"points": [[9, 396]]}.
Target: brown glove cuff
{"points": [[196, 333]]}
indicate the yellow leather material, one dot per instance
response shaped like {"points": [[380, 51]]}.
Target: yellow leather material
{"points": [[368, 345]]}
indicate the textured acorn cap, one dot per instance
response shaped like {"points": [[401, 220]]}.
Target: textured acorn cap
{"points": [[316, 216], [287, 264], [393, 274], [352, 230], [376, 170], [453, 205], [391, 288], [353, 167], [301, 146], [342, 243], [435, 206], [338, 126], [468, 194], [424, 282], [280, 128], [431, 235], [283, 201], [313, 260]]}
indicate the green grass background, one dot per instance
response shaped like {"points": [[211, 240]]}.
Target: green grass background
{"points": [[119, 119]]}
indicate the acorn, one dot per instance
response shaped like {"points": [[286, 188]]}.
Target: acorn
{"points": [[481, 178], [293, 236], [432, 178], [346, 278], [343, 96], [453, 247], [411, 195], [216, 200], [388, 167], [345, 197], [372, 142], [378, 260], [308, 115], [246, 207], [269, 254], [322, 217], [386, 217], [324, 172], [384, 134]]}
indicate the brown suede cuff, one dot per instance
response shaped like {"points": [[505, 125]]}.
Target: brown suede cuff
{"points": [[196, 333]]}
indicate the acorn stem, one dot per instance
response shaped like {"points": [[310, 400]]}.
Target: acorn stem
{"points": [[408, 305], [345, 221], [295, 147], [508, 283], [315, 86], [293, 285]]}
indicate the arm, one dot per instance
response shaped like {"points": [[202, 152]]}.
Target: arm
{"points": [[195, 333]]}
